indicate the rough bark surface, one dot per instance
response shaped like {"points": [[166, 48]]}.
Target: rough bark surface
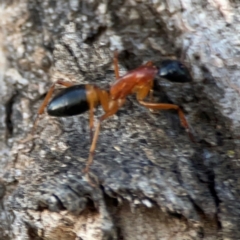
{"points": [[152, 182]]}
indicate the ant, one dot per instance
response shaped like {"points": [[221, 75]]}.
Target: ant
{"points": [[77, 99]]}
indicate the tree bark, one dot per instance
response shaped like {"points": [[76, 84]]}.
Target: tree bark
{"points": [[151, 180]]}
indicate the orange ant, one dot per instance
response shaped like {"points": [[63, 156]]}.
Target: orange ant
{"points": [[76, 99]]}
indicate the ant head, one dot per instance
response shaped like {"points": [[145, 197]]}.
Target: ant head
{"points": [[174, 71]]}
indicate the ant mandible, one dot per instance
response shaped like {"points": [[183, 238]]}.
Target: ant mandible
{"points": [[77, 99]]}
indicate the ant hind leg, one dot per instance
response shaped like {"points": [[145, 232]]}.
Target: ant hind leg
{"points": [[43, 106]]}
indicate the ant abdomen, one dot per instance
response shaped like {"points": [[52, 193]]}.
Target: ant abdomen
{"points": [[69, 102]]}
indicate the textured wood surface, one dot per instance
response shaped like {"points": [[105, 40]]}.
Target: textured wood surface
{"points": [[152, 181]]}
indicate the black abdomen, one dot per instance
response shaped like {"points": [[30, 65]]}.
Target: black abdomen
{"points": [[70, 101]]}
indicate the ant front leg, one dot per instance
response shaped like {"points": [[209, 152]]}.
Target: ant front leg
{"points": [[166, 106], [46, 100], [115, 63], [142, 93]]}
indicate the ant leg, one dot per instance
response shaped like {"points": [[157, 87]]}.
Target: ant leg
{"points": [[115, 105], [143, 92], [92, 99], [94, 96], [42, 107], [115, 63], [116, 67], [151, 95], [46, 100], [148, 64], [91, 119], [166, 106], [104, 98]]}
